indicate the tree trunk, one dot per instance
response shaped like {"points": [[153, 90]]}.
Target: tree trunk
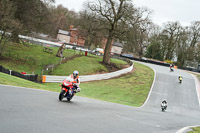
{"points": [[14, 36], [106, 57], [1, 43], [60, 51]]}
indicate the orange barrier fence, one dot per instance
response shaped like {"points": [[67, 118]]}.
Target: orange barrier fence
{"points": [[43, 79]]}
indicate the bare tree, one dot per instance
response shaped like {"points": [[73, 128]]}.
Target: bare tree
{"points": [[194, 36], [32, 16], [61, 50], [92, 28], [171, 36], [7, 22], [139, 30], [111, 11]]}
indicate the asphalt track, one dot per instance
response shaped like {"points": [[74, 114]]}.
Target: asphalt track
{"points": [[34, 111]]}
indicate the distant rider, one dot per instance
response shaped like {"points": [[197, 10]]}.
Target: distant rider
{"points": [[180, 78], [76, 81], [164, 103], [171, 66]]}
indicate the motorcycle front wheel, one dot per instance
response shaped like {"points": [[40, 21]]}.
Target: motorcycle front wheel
{"points": [[62, 94]]}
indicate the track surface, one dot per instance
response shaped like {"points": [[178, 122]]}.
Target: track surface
{"points": [[34, 111]]}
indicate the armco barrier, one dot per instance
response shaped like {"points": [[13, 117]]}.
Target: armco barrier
{"points": [[48, 78]]}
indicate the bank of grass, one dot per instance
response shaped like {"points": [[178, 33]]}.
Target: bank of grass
{"points": [[31, 58], [198, 76], [195, 130], [86, 65], [15, 81], [131, 89]]}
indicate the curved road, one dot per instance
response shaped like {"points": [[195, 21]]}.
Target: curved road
{"points": [[35, 111]]}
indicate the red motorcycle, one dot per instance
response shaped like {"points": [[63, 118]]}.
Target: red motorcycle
{"points": [[66, 90]]}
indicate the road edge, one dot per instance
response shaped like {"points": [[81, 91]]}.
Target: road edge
{"points": [[186, 128], [150, 88], [35, 89], [197, 83]]}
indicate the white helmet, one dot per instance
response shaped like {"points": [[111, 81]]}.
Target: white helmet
{"points": [[75, 74]]}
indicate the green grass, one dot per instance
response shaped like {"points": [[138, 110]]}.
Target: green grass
{"points": [[15, 81], [198, 76], [131, 89], [118, 63], [195, 130], [31, 58], [85, 65]]}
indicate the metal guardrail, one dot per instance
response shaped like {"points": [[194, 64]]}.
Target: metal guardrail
{"points": [[85, 78]]}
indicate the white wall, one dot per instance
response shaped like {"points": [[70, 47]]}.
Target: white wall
{"points": [[91, 77], [116, 50]]}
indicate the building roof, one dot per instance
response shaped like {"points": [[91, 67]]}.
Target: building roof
{"points": [[118, 44], [63, 32]]}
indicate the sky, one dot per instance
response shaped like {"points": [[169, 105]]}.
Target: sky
{"points": [[184, 11]]}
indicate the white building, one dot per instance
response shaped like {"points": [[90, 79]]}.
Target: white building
{"points": [[117, 48], [63, 36]]}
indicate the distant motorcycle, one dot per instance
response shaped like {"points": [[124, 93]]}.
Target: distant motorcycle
{"points": [[180, 79], [66, 90], [171, 66], [163, 107]]}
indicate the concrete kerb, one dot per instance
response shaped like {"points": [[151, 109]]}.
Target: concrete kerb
{"points": [[150, 89], [197, 83], [184, 129]]}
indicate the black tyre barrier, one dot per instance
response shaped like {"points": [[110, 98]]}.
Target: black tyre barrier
{"points": [[30, 77]]}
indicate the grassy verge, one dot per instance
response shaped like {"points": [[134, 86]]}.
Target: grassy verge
{"points": [[15, 81], [198, 76], [131, 89], [85, 66], [31, 58], [195, 130]]}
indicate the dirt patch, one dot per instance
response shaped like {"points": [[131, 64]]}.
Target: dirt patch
{"points": [[69, 58]]}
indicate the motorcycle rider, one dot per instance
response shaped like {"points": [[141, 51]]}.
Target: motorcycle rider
{"points": [[164, 104], [76, 81], [171, 66], [180, 78]]}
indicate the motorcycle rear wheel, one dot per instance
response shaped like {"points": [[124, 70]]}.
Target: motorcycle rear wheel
{"points": [[69, 99], [62, 94]]}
